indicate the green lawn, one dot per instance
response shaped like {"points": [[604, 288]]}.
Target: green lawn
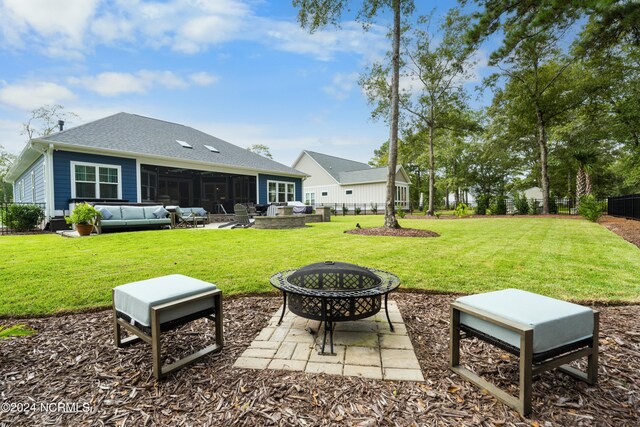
{"points": [[568, 259]]}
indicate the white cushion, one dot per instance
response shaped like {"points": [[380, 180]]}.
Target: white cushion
{"points": [[136, 299], [554, 322]]}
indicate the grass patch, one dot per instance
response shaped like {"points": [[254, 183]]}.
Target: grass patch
{"points": [[568, 259], [15, 331]]}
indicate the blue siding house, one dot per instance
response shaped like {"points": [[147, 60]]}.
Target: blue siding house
{"points": [[135, 159]]}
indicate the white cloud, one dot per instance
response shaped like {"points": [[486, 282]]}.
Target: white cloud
{"points": [[203, 78], [73, 28], [31, 95], [324, 44], [116, 83], [58, 26], [341, 85]]}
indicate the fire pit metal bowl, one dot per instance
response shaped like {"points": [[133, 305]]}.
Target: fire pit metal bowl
{"points": [[335, 292]]}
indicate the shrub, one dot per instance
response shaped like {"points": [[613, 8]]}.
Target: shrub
{"points": [[553, 205], [83, 213], [401, 213], [483, 204], [374, 208], [461, 210], [357, 210], [345, 210], [521, 204], [590, 207], [22, 217], [499, 207]]}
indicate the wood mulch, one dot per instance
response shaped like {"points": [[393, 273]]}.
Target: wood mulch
{"points": [[628, 229], [393, 232], [72, 360]]}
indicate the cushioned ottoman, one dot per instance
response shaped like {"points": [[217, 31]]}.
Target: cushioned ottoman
{"points": [[149, 307], [546, 333]]}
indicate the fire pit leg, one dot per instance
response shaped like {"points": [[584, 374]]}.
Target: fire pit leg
{"points": [[284, 307], [386, 310], [328, 324]]}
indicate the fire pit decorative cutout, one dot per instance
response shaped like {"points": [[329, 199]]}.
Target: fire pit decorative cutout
{"points": [[335, 292]]}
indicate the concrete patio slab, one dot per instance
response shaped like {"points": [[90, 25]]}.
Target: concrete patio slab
{"points": [[365, 348]]}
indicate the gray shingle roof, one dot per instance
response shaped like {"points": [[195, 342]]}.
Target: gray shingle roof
{"points": [[146, 136], [336, 166], [365, 175]]}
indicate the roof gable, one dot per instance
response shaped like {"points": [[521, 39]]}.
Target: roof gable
{"points": [[336, 165], [139, 135]]}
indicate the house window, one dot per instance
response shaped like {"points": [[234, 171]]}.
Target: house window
{"points": [[310, 198], [280, 192], [401, 195], [95, 181], [349, 192], [325, 193]]}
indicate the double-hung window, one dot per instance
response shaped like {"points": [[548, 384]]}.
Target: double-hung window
{"points": [[95, 181], [280, 192]]}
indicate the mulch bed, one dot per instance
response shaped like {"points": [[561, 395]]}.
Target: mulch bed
{"points": [[72, 359], [628, 229], [393, 232]]}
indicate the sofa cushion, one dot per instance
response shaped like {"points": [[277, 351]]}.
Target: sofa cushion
{"points": [[104, 212], [115, 211], [199, 211], [113, 223], [139, 222], [554, 322], [136, 299], [160, 212], [132, 212]]}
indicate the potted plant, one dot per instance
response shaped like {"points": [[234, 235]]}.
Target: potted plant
{"points": [[84, 217]]}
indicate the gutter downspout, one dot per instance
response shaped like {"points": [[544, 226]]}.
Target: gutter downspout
{"points": [[49, 188]]}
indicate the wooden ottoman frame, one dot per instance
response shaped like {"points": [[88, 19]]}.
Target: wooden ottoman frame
{"points": [[530, 364], [152, 335]]}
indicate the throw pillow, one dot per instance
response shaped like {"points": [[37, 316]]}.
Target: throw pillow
{"points": [[200, 212], [160, 212], [106, 215]]}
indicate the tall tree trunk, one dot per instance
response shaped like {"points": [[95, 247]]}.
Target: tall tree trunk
{"points": [[544, 167], [581, 184], [446, 199], [432, 173], [390, 220], [587, 183]]}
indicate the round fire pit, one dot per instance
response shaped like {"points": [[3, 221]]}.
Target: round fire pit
{"points": [[335, 292]]}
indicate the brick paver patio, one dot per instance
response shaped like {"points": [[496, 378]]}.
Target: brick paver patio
{"points": [[364, 348]]}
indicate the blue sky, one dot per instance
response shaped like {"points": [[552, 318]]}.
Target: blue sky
{"points": [[241, 70]]}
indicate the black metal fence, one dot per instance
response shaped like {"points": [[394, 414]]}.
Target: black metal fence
{"points": [[534, 206], [21, 218], [362, 208], [625, 206]]}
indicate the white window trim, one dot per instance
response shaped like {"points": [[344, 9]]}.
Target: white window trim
{"points": [[96, 165], [33, 186], [281, 182]]}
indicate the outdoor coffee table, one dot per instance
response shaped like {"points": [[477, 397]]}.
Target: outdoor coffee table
{"points": [[335, 292]]}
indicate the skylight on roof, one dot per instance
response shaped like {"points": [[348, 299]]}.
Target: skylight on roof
{"points": [[184, 144], [212, 149]]}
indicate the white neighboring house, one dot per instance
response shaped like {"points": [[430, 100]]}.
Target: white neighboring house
{"points": [[533, 193], [334, 181]]}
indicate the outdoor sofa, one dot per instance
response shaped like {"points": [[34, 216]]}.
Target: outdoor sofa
{"points": [[124, 216]]}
